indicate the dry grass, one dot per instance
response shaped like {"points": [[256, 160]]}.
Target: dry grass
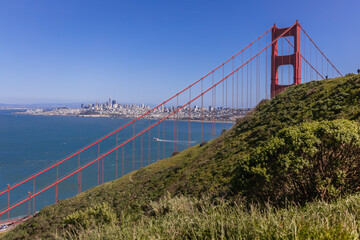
{"points": [[191, 218]]}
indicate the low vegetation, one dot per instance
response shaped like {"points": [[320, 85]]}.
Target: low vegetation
{"points": [[263, 178], [191, 218], [98, 214]]}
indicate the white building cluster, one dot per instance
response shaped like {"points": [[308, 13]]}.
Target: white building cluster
{"points": [[113, 109]]}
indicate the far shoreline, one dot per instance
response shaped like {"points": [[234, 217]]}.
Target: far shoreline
{"points": [[112, 116]]}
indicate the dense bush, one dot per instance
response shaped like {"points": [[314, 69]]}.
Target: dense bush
{"points": [[174, 153], [92, 216], [317, 160]]}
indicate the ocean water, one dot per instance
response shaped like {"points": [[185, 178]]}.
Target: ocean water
{"points": [[29, 144]]}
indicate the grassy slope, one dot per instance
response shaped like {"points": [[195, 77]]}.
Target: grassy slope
{"points": [[192, 218], [209, 169]]}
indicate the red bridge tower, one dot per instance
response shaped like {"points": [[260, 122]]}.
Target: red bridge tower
{"points": [[277, 61]]}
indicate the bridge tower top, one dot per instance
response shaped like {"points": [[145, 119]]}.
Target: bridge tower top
{"points": [[293, 59]]}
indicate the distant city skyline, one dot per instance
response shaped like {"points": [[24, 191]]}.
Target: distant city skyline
{"points": [[133, 111], [65, 104], [144, 51]]}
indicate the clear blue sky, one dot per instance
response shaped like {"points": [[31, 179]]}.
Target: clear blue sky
{"points": [[143, 51]]}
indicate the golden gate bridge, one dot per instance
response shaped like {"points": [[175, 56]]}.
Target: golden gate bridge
{"points": [[276, 60]]}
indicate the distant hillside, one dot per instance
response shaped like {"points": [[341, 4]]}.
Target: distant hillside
{"points": [[40, 105], [211, 170]]}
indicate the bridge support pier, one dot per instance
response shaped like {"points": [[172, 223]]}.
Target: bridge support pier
{"points": [[293, 59]]}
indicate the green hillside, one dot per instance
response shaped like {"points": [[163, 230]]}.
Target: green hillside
{"points": [[232, 168]]}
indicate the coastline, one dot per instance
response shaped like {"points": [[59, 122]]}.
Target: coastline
{"points": [[14, 108], [114, 116]]}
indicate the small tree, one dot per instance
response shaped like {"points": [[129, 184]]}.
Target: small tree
{"points": [[97, 214], [358, 71]]}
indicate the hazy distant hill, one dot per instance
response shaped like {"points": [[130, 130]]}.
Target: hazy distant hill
{"points": [[41, 105]]}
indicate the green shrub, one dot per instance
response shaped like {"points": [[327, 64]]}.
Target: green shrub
{"points": [[92, 216], [317, 160], [174, 153]]}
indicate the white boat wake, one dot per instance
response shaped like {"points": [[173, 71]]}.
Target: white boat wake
{"points": [[174, 141]]}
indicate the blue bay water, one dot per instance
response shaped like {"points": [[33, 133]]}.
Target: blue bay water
{"points": [[29, 144]]}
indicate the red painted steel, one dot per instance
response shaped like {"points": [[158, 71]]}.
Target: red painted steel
{"points": [[316, 61], [306, 60], [80, 181], [34, 198], [133, 148], [174, 149], [124, 126], [141, 152], [8, 199], [149, 143], [163, 142], [189, 107], [102, 171], [237, 90], [226, 103], [79, 175], [98, 164], [310, 72], [247, 86], [250, 93], [177, 125], [135, 136], [29, 203], [158, 143], [122, 173], [321, 51], [232, 88], [277, 61], [281, 33], [223, 97], [117, 156], [214, 107], [202, 112], [242, 81], [266, 75], [57, 186]]}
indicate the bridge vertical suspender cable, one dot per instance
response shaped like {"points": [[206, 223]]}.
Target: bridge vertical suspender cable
{"points": [[98, 141], [320, 51], [102, 158], [223, 81]]}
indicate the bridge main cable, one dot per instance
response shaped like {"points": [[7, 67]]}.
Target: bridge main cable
{"points": [[305, 60], [142, 132], [131, 122], [320, 51]]}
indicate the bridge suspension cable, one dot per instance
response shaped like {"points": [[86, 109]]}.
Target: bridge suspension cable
{"points": [[224, 105]]}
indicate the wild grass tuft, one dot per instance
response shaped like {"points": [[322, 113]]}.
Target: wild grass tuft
{"points": [[190, 218]]}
